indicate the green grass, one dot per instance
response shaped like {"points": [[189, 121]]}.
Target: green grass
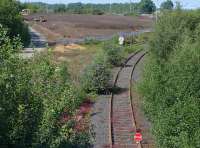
{"points": [[79, 59], [133, 48]]}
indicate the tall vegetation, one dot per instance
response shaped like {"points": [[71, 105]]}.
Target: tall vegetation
{"points": [[10, 18], [38, 101], [167, 5], [147, 6], [171, 81], [97, 75]]}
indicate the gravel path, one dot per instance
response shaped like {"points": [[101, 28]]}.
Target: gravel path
{"points": [[100, 118], [100, 121], [38, 44]]}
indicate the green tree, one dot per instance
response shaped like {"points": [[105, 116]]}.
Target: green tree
{"points": [[10, 18], [76, 8], [147, 6], [167, 5], [60, 8]]}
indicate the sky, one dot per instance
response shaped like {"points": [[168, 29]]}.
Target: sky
{"points": [[188, 4]]}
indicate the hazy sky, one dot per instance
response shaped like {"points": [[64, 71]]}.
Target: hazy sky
{"points": [[185, 3]]}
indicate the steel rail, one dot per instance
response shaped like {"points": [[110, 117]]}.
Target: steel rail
{"points": [[111, 135]]}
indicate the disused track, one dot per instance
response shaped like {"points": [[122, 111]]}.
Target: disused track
{"points": [[123, 122]]}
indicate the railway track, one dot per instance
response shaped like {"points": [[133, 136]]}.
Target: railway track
{"points": [[123, 122]]}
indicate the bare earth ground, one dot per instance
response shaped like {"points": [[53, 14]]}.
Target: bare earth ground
{"points": [[76, 56], [72, 26], [80, 26]]}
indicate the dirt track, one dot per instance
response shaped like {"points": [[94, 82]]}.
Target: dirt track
{"points": [[80, 26]]}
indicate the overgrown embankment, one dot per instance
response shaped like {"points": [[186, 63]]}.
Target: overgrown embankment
{"points": [[171, 80], [39, 102]]}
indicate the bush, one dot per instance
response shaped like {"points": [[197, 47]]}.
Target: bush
{"points": [[170, 30], [90, 40], [97, 12], [10, 18], [34, 95], [171, 80], [97, 75], [133, 48], [114, 54]]}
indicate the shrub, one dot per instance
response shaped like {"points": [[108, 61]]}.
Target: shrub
{"points": [[114, 54], [19, 105], [34, 95], [170, 30], [97, 12], [133, 48], [10, 18], [97, 75], [90, 40], [171, 81]]}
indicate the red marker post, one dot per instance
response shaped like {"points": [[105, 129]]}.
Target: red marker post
{"points": [[138, 137]]}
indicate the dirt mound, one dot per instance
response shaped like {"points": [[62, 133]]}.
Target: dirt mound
{"points": [[68, 48], [75, 46]]}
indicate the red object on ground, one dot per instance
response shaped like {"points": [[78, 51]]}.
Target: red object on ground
{"points": [[138, 137]]}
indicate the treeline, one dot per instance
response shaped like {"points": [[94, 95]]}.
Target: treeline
{"points": [[11, 19], [171, 88], [144, 6]]}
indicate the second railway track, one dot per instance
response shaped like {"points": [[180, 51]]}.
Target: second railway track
{"points": [[123, 122]]}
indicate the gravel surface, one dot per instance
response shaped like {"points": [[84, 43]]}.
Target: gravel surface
{"points": [[100, 118], [137, 74], [100, 122], [38, 44]]}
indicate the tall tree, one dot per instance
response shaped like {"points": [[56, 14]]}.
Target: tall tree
{"points": [[169, 5], [147, 6], [10, 18]]}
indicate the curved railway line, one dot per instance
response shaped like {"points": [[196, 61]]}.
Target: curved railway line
{"points": [[123, 122]]}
